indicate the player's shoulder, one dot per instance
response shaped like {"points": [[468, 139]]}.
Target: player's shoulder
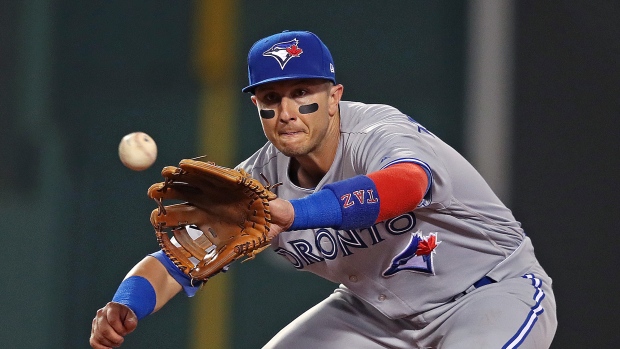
{"points": [[363, 117], [265, 156]]}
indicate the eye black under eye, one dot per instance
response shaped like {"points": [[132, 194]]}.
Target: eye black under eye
{"points": [[267, 113]]}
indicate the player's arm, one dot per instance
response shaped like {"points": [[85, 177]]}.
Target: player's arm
{"points": [[356, 202], [147, 287]]}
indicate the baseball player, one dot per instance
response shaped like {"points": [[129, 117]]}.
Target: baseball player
{"points": [[425, 254]]}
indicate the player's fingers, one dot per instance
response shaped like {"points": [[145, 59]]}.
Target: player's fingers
{"points": [[96, 345], [103, 335], [121, 318], [130, 321], [105, 339]]}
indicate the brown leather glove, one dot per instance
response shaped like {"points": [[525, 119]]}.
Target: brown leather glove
{"points": [[227, 205]]}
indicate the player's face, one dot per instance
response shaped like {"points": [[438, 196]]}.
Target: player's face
{"points": [[298, 115]]}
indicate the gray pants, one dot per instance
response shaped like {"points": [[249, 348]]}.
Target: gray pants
{"points": [[512, 313]]}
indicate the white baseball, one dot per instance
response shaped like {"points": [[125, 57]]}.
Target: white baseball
{"points": [[137, 151]]}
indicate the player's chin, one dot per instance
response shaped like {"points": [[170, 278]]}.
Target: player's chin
{"points": [[292, 147], [293, 151]]}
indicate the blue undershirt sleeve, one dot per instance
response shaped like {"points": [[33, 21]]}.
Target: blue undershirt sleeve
{"points": [[184, 280]]}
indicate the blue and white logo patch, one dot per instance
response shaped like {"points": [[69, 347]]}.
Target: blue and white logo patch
{"points": [[283, 52], [416, 257]]}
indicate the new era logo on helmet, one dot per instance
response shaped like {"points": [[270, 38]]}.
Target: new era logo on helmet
{"points": [[283, 52]]}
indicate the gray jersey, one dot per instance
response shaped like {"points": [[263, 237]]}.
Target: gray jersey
{"points": [[467, 231]]}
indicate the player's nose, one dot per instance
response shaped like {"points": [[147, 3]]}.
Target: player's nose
{"points": [[288, 109]]}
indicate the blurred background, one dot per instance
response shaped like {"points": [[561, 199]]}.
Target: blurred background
{"points": [[527, 90]]}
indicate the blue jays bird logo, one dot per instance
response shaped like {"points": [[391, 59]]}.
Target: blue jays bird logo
{"points": [[283, 52], [417, 256]]}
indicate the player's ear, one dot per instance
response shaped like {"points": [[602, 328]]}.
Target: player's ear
{"points": [[253, 98], [335, 94]]}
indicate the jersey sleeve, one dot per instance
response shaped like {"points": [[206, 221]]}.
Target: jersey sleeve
{"points": [[395, 139]]}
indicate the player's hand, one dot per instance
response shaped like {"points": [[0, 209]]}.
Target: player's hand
{"points": [[112, 323], [282, 216]]}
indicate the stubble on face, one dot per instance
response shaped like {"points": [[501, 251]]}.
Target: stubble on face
{"points": [[300, 143], [302, 134]]}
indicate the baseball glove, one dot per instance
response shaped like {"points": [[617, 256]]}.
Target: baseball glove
{"points": [[230, 208]]}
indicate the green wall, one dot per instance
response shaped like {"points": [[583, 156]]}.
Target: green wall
{"points": [[75, 76]]}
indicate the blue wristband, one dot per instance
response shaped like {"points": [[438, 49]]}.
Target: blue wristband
{"points": [[318, 210], [348, 204], [138, 294], [358, 200]]}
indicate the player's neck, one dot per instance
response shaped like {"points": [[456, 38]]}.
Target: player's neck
{"points": [[308, 170], [305, 176]]}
